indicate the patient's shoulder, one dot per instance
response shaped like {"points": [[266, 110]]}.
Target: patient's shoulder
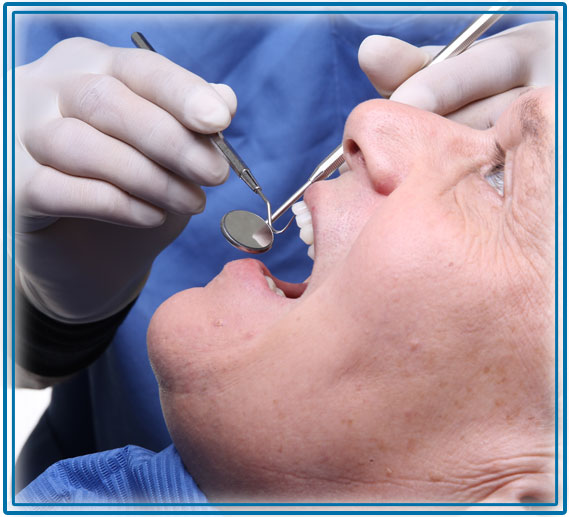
{"points": [[127, 475]]}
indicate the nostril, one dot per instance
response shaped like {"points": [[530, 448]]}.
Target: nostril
{"points": [[353, 154], [382, 173], [351, 147]]}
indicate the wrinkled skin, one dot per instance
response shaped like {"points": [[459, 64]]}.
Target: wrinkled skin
{"points": [[418, 363]]}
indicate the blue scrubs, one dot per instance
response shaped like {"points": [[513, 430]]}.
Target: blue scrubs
{"points": [[296, 78]]}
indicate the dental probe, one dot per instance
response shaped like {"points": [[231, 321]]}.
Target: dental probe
{"points": [[336, 158], [234, 160]]}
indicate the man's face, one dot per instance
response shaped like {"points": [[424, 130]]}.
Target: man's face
{"points": [[417, 364]]}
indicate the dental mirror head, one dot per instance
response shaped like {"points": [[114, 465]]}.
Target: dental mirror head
{"points": [[247, 231]]}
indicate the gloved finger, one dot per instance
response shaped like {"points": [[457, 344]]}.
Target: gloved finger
{"points": [[56, 194], [228, 95], [185, 95], [72, 146], [484, 113], [388, 62], [487, 68], [108, 105]]}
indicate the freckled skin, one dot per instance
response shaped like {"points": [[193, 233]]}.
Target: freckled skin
{"points": [[418, 365]]}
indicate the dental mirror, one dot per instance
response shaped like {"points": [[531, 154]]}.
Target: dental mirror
{"points": [[247, 231]]}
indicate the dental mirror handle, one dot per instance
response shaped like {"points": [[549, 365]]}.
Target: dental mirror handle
{"points": [[234, 160], [457, 46]]}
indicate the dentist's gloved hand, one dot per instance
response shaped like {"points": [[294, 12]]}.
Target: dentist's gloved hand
{"points": [[110, 154], [472, 88]]}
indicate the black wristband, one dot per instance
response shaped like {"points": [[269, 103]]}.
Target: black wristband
{"points": [[50, 348]]}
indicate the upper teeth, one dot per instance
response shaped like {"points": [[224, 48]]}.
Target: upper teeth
{"points": [[304, 222], [274, 287]]}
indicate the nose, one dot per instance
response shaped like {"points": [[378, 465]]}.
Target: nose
{"points": [[384, 140]]}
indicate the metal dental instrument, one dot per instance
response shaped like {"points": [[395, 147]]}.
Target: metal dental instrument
{"points": [[336, 158], [251, 233], [248, 231], [237, 164]]}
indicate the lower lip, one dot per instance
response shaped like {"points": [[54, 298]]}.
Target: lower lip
{"points": [[247, 269], [253, 273]]}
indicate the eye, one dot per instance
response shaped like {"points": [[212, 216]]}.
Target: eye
{"points": [[496, 180]]}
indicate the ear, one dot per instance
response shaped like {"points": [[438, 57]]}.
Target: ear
{"points": [[527, 491]]}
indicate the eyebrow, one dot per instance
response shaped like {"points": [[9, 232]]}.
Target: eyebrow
{"points": [[536, 135], [531, 118]]}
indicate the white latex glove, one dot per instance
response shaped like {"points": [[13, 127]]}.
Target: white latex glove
{"points": [[472, 88], [109, 157]]}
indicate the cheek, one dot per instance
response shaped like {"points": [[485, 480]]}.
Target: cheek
{"points": [[422, 277]]}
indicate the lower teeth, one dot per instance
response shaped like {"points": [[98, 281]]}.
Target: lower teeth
{"points": [[274, 287]]}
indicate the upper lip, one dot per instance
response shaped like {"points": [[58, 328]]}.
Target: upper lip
{"points": [[309, 199]]}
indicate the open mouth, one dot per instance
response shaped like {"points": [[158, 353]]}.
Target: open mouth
{"points": [[284, 289], [304, 222]]}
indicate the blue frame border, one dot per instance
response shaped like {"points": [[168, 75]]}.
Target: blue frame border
{"points": [[78, 506]]}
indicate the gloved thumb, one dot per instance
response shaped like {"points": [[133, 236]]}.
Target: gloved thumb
{"points": [[388, 62]]}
